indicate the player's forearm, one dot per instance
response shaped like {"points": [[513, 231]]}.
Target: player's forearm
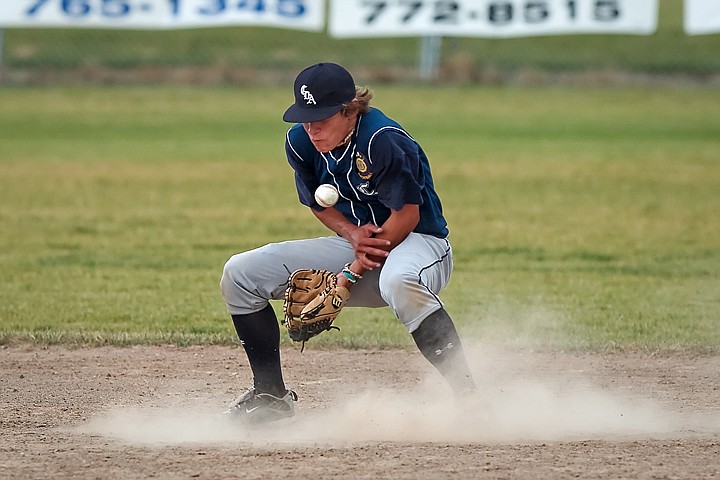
{"points": [[399, 225], [335, 221], [372, 244], [396, 229]]}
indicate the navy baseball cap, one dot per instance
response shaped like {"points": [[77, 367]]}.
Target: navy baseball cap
{"points": [[320, 92]]}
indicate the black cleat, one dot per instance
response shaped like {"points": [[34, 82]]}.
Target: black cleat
{"points": [[255, 408]]}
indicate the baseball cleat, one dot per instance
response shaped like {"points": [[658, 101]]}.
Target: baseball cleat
{"points": [[255, 408]]}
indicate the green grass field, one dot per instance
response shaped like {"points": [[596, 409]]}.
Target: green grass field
{"points": [[581, 218]]}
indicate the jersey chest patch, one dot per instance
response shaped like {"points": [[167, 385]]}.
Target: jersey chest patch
{"points": [[366, 189], [362, 167]]}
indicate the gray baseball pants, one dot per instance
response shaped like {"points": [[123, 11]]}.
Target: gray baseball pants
{"points": [[409, 281]]}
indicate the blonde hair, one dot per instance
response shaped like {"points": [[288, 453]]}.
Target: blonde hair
{"points": [[359, 104]]}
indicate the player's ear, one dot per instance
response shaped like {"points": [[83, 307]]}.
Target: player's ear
{"points": [[351, 107]]}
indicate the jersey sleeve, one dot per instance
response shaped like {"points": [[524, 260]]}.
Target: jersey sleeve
{"points": [[395, 162]]}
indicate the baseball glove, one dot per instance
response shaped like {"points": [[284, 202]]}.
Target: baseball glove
{"points": [[312, 301]]}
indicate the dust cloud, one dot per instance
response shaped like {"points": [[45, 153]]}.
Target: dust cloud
{"points": [[518, 401]]}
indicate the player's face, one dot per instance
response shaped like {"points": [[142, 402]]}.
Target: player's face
{"points": [[327, 134]]}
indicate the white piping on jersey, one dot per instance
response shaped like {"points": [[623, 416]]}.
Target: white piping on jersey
{"points": [[327, 167], [337, 160], [347, 177], [372, 211], [287, 139], [337, 185], [389, 127]]}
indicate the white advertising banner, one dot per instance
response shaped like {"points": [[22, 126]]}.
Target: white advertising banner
{"points": [[159, 14], [491, 18], [702, 17]]}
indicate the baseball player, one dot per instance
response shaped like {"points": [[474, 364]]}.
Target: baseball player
{"points": [[389, 243]]}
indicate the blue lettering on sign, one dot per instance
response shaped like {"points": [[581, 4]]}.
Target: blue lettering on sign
{"points": [[124, 8], [76, 8], [33, 10], [290, 8], [257, 5], [213, 7]]}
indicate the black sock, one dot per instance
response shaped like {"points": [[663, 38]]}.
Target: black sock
{"points": [[259, 334], [438, 341]]}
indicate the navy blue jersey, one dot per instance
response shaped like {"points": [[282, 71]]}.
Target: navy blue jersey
{"points": [[382, 168]]}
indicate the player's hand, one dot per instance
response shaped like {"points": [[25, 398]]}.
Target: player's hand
{"points": [[369, 250]]}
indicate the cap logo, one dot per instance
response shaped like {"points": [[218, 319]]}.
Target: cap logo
{"points": [[309, 99]]}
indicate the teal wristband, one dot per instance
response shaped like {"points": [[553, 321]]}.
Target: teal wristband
{"points": [[347, 271]]}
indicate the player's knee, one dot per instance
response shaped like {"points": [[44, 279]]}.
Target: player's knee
{"points": [[398, 285], [233, 274], [409, 298]]}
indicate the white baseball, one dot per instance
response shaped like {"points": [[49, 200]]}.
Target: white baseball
{"points": [[326, 195]]}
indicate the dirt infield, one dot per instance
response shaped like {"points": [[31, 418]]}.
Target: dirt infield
{"points": [[151, 412]]}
